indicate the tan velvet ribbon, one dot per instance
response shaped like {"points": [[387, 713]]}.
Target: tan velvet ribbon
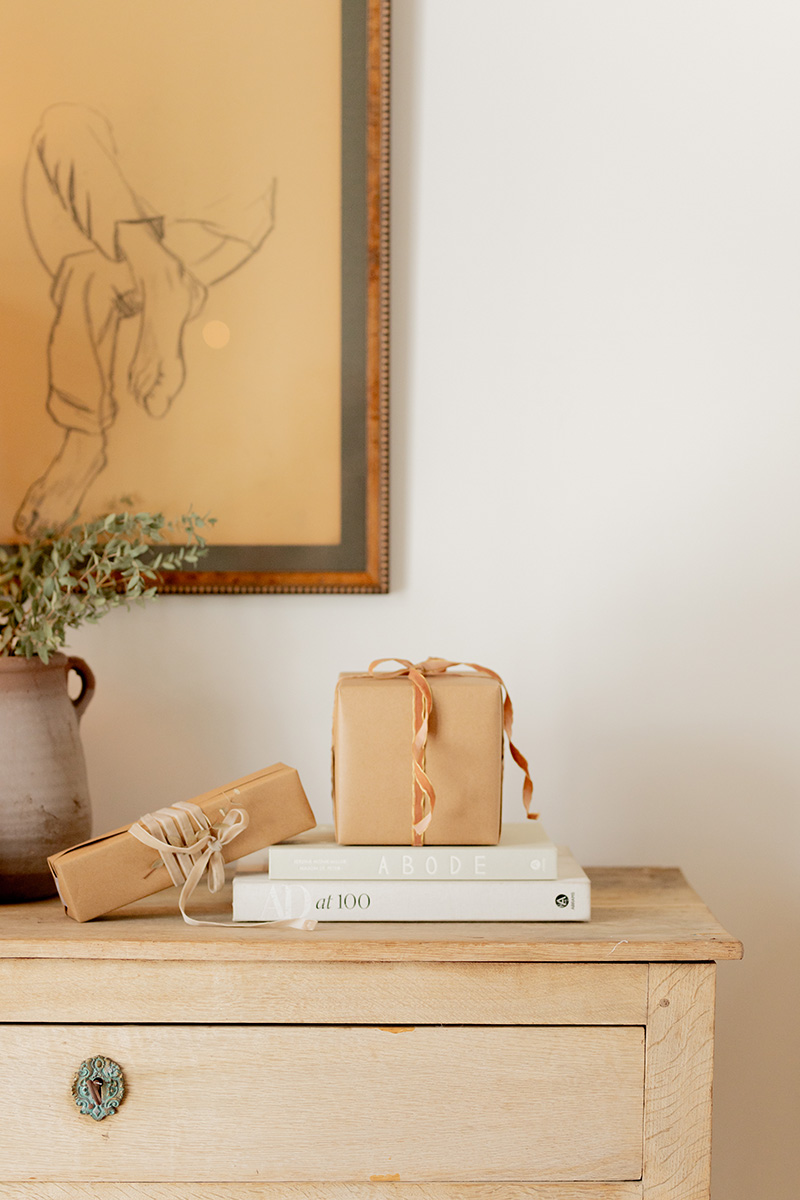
{"points": [[191, 847], [423, 796]]}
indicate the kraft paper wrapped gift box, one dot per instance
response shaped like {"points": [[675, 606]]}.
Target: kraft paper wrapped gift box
{"points": [[109, 871], [372, 759]]}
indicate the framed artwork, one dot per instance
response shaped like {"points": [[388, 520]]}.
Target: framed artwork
{"points": [[194, 279]]}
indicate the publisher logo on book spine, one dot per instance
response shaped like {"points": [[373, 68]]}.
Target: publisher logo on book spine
{"points": [[562, 901]]}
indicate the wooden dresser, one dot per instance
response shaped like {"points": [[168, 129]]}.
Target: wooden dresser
{"points": [[365, 1062]]}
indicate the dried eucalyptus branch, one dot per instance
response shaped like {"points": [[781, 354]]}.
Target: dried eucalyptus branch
{"points": [[64, 578]]}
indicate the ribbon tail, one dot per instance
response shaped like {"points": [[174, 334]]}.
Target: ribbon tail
{"points": [[527, 784], [439, 666], [192, 880], [196, 874]]}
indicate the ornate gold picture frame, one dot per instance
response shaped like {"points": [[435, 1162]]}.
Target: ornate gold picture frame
{"points": [[194, 273]]}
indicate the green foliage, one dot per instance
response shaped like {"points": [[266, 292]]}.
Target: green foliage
{"points": [[62, 578]]}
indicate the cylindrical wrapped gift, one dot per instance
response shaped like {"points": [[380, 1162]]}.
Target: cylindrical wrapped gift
{"points": [[107, 872]]}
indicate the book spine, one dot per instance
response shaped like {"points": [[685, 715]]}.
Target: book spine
{"points": [[414, 863], [260, 898]]}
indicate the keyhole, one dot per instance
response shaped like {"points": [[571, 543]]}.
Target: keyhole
{"points": [[96, 1090]]}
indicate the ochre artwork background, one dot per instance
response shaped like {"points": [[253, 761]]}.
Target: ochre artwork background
{"points": [[209, 101]]}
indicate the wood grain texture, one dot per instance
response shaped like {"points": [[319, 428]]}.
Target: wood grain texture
{"points": [[678, 1079], [639, 914], [321, 1191], [248, 1103], [121, 990]]}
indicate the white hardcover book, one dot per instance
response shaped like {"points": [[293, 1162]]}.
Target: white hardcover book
{"points": [[523, 852], [257, 897]]}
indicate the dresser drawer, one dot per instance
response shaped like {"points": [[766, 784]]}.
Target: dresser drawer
{"points": [[356, 1103]]}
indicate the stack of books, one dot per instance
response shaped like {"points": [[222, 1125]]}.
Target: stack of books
{"points": [[523, 878]]}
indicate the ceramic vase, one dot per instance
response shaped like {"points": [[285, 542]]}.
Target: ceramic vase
{"points": [[44, 797]]}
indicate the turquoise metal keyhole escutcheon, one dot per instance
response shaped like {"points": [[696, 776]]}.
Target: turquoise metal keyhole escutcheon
{"points": [[98, 1087]]}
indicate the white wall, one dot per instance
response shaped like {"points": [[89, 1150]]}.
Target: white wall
{"points": [[595, 434]]}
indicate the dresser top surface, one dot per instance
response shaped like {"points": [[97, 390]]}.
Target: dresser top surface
{"points": [[639, 914]]}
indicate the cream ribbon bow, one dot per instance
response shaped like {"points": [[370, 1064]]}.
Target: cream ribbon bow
{"points": [[191, 846]]}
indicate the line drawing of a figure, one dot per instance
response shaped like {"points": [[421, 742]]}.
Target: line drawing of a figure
{"points": [[113, 257]]}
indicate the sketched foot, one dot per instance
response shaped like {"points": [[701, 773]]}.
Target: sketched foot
{"points": [[55, 498], [169, 298]]}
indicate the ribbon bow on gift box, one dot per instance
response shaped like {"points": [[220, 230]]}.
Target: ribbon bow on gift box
{"points": [[423, 796], [190, 845]]}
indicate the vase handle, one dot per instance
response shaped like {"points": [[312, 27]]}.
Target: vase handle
{"points": [[86, 676]]}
